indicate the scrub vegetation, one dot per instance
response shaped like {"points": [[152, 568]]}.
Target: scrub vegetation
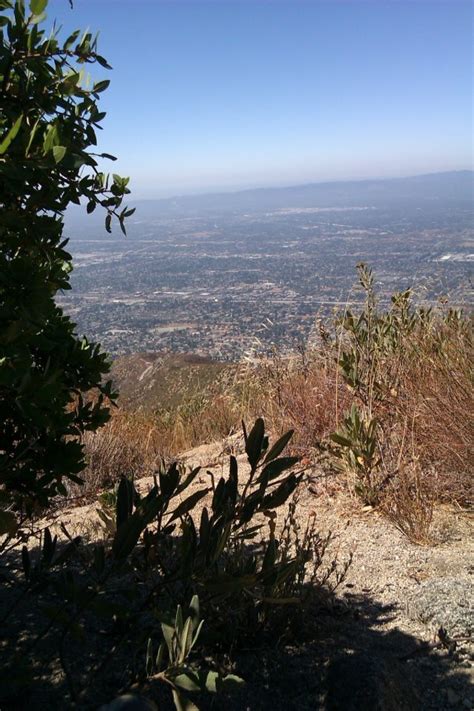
{"points": [[191, 564]]}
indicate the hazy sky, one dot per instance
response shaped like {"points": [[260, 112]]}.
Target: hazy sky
{"points": [[219, 95]]}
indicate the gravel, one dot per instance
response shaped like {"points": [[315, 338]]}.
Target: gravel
{"points": [[447, 603]]}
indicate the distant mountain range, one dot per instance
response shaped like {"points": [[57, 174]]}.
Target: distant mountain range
{"points": [[454, 189], [456, 186]]}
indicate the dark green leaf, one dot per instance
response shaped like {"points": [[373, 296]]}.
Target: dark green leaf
{"points": [[279, 446], [188, 504], [38, 6], [253, 445], [101, 85], [276, 467], [280, 495], [126, 537], [339, 439], [102, 62], [124, 501], [26, 561]]}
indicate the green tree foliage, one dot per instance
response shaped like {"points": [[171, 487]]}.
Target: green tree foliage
{"points": [[48, 122]]}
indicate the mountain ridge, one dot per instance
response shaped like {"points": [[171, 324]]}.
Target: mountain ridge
{"points": [[452, 185], [445, 189]]}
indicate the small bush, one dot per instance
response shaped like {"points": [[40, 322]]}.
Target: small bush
{"points": [[218, 541], [408, 504], [410, 375]]}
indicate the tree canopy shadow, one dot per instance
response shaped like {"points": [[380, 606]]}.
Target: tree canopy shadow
{"points": [[344, 660], [332, 652]]}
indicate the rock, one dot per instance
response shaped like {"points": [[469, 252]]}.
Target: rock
{"points": [[446, 602], [356, 682]]}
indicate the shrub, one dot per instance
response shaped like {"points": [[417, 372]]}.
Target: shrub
{"points": [[409, 372], [408, 504], [218, 542], [358, 450], [47, 126]]}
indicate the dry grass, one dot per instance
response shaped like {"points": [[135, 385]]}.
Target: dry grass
{"points": [[208, 417], [426, 423], [426, 432], [436, 399], [133, 443], [302, 392], [408, 503], [129, 444]]}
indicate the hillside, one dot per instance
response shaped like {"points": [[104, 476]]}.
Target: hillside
{"points": [[336, 577], [154, 381], [372, 644]]}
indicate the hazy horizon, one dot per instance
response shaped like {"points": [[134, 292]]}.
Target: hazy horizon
{"points": [[224, 96], [181, 191], [216, 190]]}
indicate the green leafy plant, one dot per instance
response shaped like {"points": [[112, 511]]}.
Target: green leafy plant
{"points": [[405, 367], [52, 386], [368, 359], [206, 554], [172, 664], [357, 450], [371, 337], [181, 539], [371, 362]]}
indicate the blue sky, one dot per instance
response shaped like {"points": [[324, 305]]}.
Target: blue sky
{"points": [[225, 95]]}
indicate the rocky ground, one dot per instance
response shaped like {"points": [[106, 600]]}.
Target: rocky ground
{"points": [[403, 618], [398, 632]]}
